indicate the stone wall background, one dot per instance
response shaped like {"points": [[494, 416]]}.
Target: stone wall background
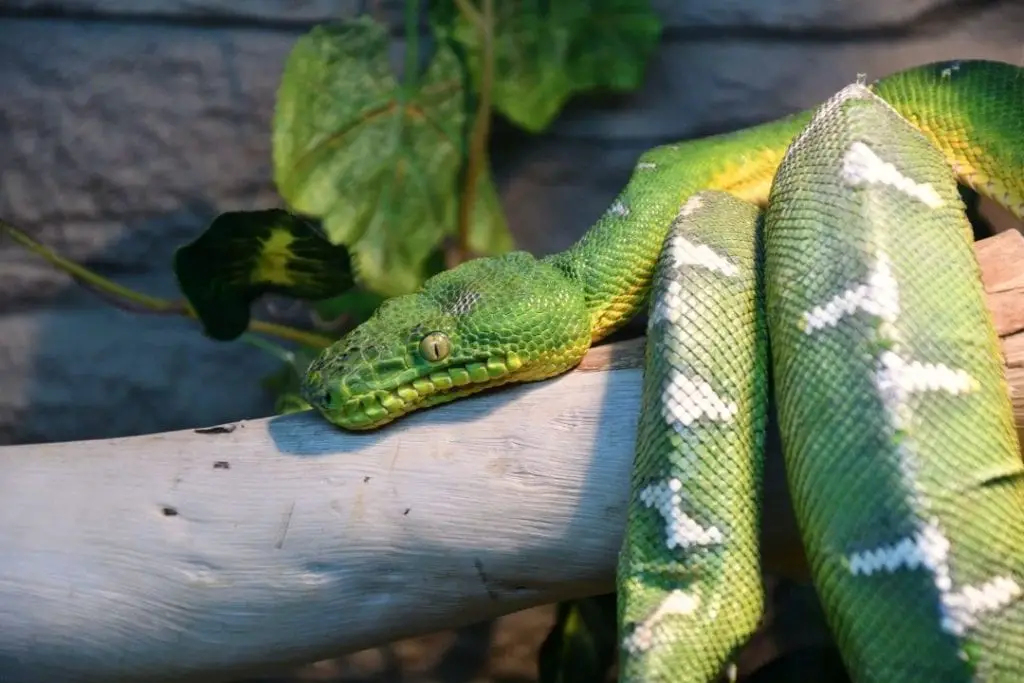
{"points": [[126, 125]]}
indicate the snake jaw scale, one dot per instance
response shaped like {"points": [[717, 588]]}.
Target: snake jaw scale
{"points": [[422, 387], [442, 381], [393, 404]]}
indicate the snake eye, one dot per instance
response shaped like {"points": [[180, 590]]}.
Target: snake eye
{"points": [[435, 346]]}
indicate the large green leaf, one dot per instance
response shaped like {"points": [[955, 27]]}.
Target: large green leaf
{"points": [[245, 254], [488, 231], [378, 161], [547, 50]]}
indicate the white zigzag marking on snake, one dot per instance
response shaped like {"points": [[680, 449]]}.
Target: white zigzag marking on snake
{"points": [[683, 252], [644, 636], [684, 401], [681, 530], [691, 205], [671, 304], [879, 296], [929, 549], [618, 208], [861, 166], [896, 380]]}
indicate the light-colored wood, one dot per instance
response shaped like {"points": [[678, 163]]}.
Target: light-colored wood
{"points": [[1002, 272], [286, 539], [220, 552]]}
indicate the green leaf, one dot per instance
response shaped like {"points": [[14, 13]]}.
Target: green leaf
{"points": [[547, 50], [614, 46], [379, 163], [245, 254], [581, 647]]}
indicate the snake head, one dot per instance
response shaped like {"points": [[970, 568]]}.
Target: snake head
{"points": [[487, 322]]}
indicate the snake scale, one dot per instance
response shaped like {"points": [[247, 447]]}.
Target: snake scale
{"points": [[819, 266]]}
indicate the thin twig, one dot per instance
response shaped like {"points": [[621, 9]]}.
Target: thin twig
{"points": [[86, 276], [129, 299]]}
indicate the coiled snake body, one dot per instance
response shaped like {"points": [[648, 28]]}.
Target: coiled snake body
{"points": [[822, 264]]}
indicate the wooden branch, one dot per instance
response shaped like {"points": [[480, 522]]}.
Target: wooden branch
{"points": [[219, 552]]}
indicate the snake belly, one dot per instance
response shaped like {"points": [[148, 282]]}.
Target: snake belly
{"points": [[819, 265]]}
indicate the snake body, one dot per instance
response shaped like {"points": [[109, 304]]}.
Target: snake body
{"points": [[820, 264]]}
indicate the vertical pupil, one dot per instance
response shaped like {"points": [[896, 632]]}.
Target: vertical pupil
{"points": [[434, 347]]}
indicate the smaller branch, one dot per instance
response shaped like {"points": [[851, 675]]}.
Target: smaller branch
{"points": [[481, 132], [179, 307], [136, 302], [96, 283], [292, 334]]}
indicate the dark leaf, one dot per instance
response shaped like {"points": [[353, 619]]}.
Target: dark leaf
{"points": [[245, 254], [818, 663], [582, 646]]}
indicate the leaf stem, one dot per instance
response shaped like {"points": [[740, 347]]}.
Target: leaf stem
{"points": [[410, 78], [293, 334], [286, 356], [471, 13], [484, 22], [127, 298]]}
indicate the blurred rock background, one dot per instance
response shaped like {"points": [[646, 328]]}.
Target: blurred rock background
{"points": [[126, 125]]}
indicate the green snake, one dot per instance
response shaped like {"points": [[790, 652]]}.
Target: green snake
{"points": [[818, 266]]}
